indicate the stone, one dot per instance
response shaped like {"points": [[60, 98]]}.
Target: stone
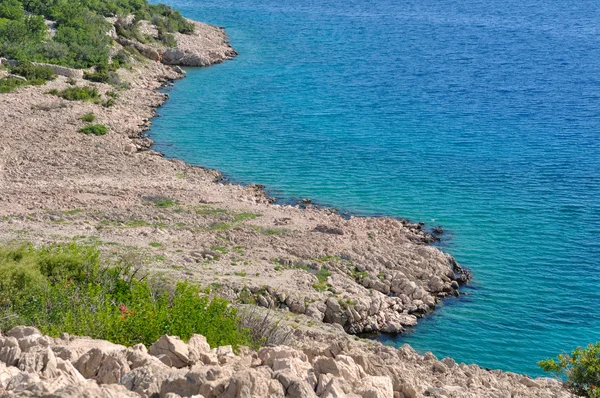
{"points": [[171, 351], [105, 368], [197, 345], [268, 355], [20, 332], [342, 366], [374, 387], [10, 355], [249, 383]]}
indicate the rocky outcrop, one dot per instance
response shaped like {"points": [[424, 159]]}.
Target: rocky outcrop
{"points": [[208, 45], [173, 368]]}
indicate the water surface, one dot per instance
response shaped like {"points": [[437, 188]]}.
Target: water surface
{"points": [[480, 116]]}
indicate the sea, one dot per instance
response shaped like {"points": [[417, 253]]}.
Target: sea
{"points": [[480, 116]]}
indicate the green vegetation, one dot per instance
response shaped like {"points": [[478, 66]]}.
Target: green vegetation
{"points": [[581, 370], [155, 244], [9, 84], [94, 129], [88, 117], [163, 203], [66, 288], [269, 231], [87, 93], [80, 39], [240, 217], [322, 277], [35, 75]]}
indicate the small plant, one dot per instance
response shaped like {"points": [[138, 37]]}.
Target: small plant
{"points": [[242, 274], [581, 369], [155, 244], [164, 203], [322, 277], [88, 117], [36, 75], [10, 84], [94, 129], [240, 217], [90, 94]]}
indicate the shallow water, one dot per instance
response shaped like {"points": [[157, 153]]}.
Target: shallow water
{"points": [[480, 116]]}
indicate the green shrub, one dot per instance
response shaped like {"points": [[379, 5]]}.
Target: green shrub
{"points": [[581, 370], [10, 84], [94, 129], [88, 117], [65, 288], [78, 94], [36, 75]]}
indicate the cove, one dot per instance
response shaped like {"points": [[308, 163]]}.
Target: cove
{"points": [[482, 117]]}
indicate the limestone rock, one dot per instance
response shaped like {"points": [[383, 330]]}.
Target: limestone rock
{"points": [[171, 351]]}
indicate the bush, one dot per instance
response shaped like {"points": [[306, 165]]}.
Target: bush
{"points": [[64, 288], [94, 129], [77, 94], [10, 84], [88, 117], [36, 75], [581, 370]]}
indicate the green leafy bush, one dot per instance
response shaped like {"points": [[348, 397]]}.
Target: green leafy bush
{"points": [[10, 84], [581, 370], [65, 288], [80, 40], [78, 94], [88, 117], [36, 75], [94, 129]]}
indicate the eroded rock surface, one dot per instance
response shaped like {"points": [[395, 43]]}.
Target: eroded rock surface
{"points": [[318, 366]]}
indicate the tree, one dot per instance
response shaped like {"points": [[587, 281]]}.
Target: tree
{"points": [[11, 9], [581, 370]]}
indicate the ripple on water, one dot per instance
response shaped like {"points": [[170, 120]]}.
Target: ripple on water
{"points": [[480, 116]]}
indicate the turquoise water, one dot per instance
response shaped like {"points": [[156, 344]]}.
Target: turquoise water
{"points": [[480, 116]]}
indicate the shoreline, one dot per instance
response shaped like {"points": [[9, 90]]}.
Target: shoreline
{"points": [[325, 273]]}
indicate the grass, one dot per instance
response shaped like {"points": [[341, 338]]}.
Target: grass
{"points": [[68, 289], [94, 129], [357, 274], [322, 277], [164, 203], [155, 244], [72, 212], [88, 117], [269, 231]]}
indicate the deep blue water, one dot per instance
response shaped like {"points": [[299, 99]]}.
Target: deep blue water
{"points": [[480, 116]]}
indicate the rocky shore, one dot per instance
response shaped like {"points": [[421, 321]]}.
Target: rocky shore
{"points": [[356, 274], [33, 365]]}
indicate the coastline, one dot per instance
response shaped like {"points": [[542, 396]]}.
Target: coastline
{"points": [[358, 274]]}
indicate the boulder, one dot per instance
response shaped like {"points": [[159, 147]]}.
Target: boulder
{"points": [[374, 387], [268, 355], [342, 366], [249, 383], [105, 368], [171, 351]]}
